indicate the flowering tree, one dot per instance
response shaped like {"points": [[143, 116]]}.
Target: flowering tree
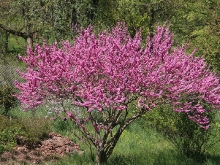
{"points": [[107, 73]]}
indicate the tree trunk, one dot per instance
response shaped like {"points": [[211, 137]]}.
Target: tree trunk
{"points": [[26, 35], [29, 42], [101, 157], [6, 42], [29, 39]]}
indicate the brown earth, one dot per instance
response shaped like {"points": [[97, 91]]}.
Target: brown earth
{"points": [[51, 149]]}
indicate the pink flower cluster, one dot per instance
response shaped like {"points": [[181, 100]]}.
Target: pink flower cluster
{"points": [[109, 70]]}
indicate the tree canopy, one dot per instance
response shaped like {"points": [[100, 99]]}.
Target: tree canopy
{"points": [[105, 73]]}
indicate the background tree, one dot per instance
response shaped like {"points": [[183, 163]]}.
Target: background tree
{"points": [[206, 37], [107, 74], [8, 20], [17, 20], [196, 23], [34, 20], [144, 14]]}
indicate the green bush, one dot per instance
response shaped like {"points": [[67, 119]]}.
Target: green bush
{"points": [[7, 98], [27, 131], [188, 137], [35, 129], [9, 131]]}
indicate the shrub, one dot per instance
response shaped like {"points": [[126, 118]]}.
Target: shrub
{"points": [[188, 137], [35, 129], [27, 131], [9, 131], [7, 98]]}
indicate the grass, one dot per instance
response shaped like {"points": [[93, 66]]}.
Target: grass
{"points": [[137, 146], [17, 112], [16, 44]]}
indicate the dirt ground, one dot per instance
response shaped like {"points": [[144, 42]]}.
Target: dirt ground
{"points": [[50, 149]]}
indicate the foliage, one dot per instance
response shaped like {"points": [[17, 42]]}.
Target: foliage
{"points": [[137, 14], [194, 22], [27, 131], [52, 20], [7, 98], [188, 137], [134, 14], [35, 129], [103, 74], [200, 28], [9, 131], [34, 20]]}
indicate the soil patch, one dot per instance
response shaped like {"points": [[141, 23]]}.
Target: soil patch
{"points": [[51, 149]]}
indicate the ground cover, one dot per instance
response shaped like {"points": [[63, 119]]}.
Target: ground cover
{"points": [[138, 145]]}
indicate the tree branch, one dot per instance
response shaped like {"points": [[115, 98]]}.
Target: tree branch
{"points": [[17, 33]]}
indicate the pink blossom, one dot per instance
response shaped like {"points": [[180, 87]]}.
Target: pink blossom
{"points": [[110, 70], [70, 115]]}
